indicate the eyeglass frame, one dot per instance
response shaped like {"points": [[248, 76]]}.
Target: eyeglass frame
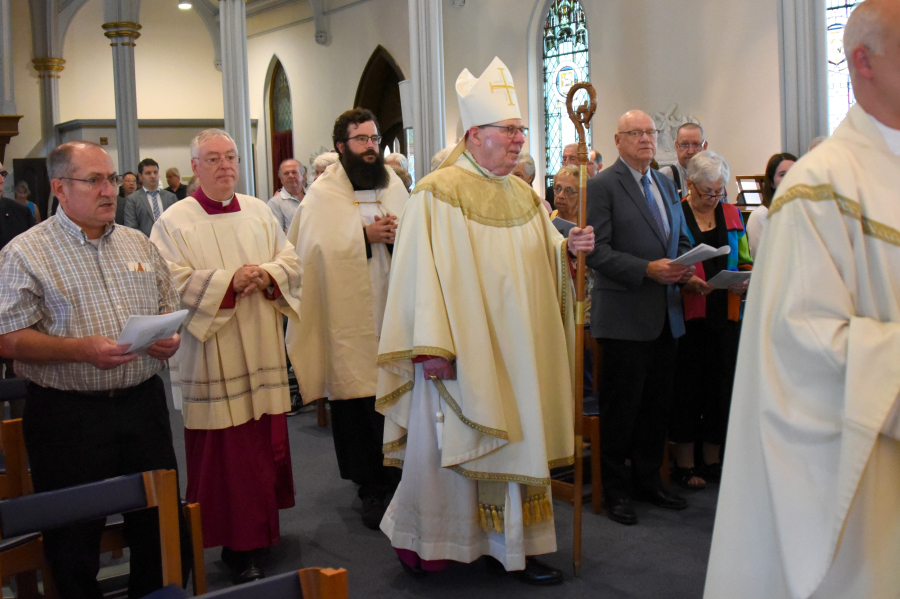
{"points": [[640, 133], [215, 161], [567, 190], [375, 139], [511, 130], [710, 196], [113, 180], [690, 145]]}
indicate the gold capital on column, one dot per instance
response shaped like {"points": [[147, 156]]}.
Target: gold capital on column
{"points": [[48, 67], [125, 29]]}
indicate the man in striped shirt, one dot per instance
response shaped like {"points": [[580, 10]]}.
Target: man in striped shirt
{"points": [[93, 411]]}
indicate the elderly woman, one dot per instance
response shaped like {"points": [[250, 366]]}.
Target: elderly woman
{"points": [[707, 353], [22, 193], [776, 169]]}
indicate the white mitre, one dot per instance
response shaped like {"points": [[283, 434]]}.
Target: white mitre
{"points": [[487, 99]]}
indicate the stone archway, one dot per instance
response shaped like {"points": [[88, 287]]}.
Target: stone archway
{"points": [[379, 91]]}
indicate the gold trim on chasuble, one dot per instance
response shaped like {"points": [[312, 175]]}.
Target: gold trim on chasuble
{"points": [[848, 207], [487, 204], [419, 350]]}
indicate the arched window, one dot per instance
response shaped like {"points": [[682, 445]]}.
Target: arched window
{"points": [[840, 93], [565, 63], [280, 115]]}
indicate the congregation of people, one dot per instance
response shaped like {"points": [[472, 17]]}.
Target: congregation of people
{"points": [[438, 320]]}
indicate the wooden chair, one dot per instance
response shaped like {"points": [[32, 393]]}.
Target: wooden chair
{"points": [[309, 583], [15, 479], [27, 515]]}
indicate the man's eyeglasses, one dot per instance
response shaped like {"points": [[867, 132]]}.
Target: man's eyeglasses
{"points": [[560, 190], [364, 139], [95, 181], [690, 146], [511, 130], [4, 173], [638, 134], [217, 160]]}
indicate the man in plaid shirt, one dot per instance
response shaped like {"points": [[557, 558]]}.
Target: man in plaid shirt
{"points": [[93, 411]]}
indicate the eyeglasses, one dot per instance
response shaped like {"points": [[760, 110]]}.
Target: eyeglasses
{"points": [[638, 134], [364, 139], [217, 160], [690, 146], [511, 130], [4, 173], [94, 181], [713, 196], [560, 190]]}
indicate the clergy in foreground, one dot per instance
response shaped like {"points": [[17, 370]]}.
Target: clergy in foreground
{"points": [[477, 351], [344, 233], [810, 499], [236, 274]]}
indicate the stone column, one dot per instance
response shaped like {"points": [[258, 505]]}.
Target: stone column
{"points": [[7, 95], [48, 69], [236, 87], [122, 36], [426, 56]]}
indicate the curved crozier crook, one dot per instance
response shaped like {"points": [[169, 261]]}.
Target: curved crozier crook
{"points": [[584, 113]]}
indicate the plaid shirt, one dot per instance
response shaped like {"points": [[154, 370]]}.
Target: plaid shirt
{"points": [[55, 281]]}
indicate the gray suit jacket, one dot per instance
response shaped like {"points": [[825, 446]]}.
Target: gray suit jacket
{"points": [[625, 303], [137, 209]]}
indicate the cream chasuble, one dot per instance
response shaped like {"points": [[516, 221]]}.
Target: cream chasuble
{"points": [[810, 498], [480, 275], [333, 347], [232, 365]]}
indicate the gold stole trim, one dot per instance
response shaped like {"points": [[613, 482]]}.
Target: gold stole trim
{"points": [[393, 462], [394, 444], [500, 477], [394, 395], [848, 207], [445, 395], [488, 206], [419, 350]]}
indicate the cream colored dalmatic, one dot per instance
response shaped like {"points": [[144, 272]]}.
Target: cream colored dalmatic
{"points": [[232, 365], [810, 498], [480, 275], [333, 347]]}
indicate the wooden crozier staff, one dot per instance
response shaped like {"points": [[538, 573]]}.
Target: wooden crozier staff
{"points": [[580, 117]]}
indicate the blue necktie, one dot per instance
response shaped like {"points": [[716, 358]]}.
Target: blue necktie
{"points": [[654, 207], [154, 202]]}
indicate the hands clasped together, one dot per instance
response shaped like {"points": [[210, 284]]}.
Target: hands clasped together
{"points": [[383, 230], [250, 278]]}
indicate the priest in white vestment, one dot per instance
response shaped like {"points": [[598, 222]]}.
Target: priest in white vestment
{"points": [[344, 234], [810, 499], [237, 275], [476, 352]]}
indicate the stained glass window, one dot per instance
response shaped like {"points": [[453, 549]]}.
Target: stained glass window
{"points": [[565, 63], [281, 101], [840, 94]]}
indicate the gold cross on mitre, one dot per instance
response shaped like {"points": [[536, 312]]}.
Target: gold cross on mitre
{"points": [[506, 86]]}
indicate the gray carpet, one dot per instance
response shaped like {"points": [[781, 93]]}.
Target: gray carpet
{"points": [[664, 556]]}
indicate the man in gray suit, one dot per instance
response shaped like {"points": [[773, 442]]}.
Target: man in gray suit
{"points": [[636, 314], [146, 205]]}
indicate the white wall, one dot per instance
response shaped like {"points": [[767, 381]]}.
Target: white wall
{"points": [[323, 79], [717, 59]]}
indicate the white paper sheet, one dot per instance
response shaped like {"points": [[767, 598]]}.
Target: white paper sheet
{"points": [[727, 278], [700, 253], [140, 332]]}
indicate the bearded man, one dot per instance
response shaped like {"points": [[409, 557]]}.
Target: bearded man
{"points": [[344, 235]]}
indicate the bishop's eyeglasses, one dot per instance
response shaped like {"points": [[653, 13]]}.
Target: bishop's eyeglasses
{"points": [[510, 130]]}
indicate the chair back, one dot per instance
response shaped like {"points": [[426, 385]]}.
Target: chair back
{"points": [[14, 479]]}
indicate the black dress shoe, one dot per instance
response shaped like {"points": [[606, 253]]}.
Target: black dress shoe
{"points": [[414, 571], [621, 511], [539, 573], [535, 572], [242, 564], [663, 499], [373, 509]]}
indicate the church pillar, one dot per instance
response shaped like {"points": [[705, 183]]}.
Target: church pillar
{"points": [[48, 69], [9, 120], [122, 29], [236, 86], [426, 56]]}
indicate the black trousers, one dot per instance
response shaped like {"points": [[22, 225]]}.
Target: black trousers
{"points": [[707, 357], [358, 432], [74, 439], [635, 394]]}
